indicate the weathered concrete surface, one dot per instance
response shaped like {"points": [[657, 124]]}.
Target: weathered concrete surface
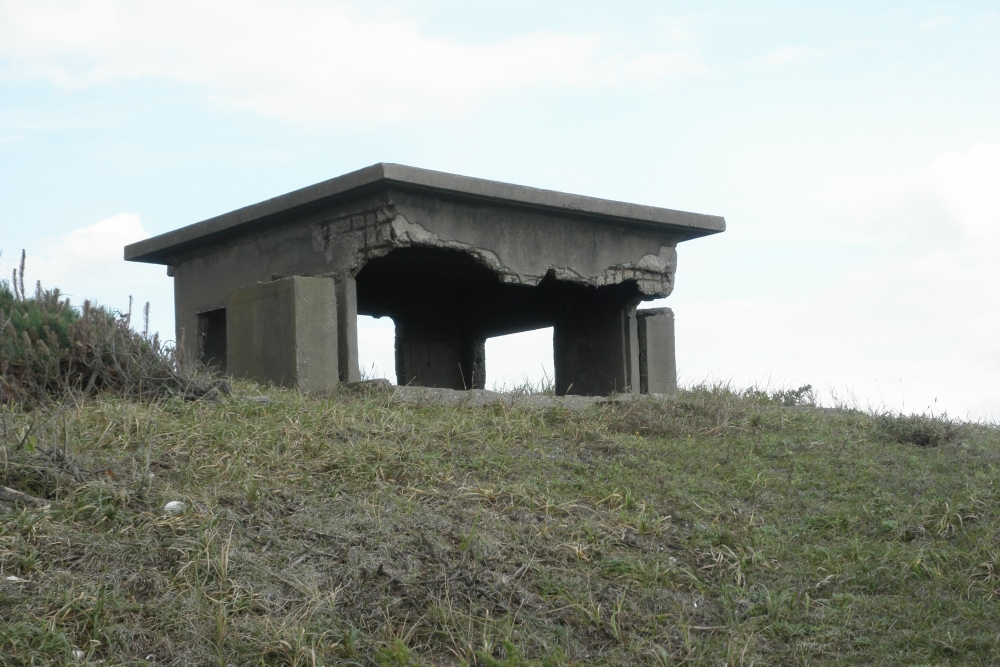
{"points": [[453, 260], [657, 356], [439, 352], [347, 336], [159, 248], [590, 346], [284, 331]]}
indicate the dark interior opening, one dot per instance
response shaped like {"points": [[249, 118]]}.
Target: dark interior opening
{"points": [[418, 282], [212, 339], [446, 303]]}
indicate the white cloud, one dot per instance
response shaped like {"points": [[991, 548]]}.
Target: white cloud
{"points": [[305, 60], [912, 328], [937, 22], [951, 201], [967, 186], [87, 264], [88, 251], [922, 325], [789, 54]]}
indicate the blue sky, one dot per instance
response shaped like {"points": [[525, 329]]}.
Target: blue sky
{"points": [[854, 149]]}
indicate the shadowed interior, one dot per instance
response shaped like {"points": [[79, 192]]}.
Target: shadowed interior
{"points": [[446, 303]]}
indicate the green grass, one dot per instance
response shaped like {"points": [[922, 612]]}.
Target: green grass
{"points": [[720, 528]]}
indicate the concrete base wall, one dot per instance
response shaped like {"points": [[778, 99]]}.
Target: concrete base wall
{"points": [[439, 354], [657, 359], [593, 347], [284, 331]]}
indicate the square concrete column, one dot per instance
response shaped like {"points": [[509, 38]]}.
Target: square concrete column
{"points": [[657, 359], [595, 349], [347, 328], [632, 350], [439, 354], [285, 332]]}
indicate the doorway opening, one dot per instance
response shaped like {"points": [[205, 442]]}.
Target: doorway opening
{"points": [[212, 339]]}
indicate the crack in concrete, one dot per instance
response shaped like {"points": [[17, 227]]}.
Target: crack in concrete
{"points": [[375, 232]]}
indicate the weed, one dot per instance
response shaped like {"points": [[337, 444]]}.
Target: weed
{"points": [[919, 430]]}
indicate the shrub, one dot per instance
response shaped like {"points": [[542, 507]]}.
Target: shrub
{"points": [[47, 347], [919, 430]]}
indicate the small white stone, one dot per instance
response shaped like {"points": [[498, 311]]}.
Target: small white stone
{"points": [[15, 580], [78, 654], [174, 507]]}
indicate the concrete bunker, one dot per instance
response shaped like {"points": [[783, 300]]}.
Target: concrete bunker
{"points": [[272, 291]]}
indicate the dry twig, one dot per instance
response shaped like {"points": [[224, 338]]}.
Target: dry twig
{"points": [[12, 495]]}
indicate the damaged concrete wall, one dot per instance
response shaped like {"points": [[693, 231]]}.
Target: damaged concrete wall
{"points": [[520, 247]]}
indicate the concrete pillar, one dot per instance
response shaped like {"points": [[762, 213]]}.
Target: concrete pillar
{"points": [[438, 353], [475, 356], [284, 331], [632, 349], [595, 349], [657, 360], [347, 328]]}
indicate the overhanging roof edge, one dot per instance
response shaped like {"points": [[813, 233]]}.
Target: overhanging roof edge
{"points": [[690, 225]]}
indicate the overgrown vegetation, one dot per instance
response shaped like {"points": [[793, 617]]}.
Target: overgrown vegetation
{"points": [[719, 528], [48, 348]]}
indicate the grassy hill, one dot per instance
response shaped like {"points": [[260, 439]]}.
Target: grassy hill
{"points": [[720, 528], [147, 517]]}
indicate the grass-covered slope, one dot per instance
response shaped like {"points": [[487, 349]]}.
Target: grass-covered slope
{"points": [[716, 529]]}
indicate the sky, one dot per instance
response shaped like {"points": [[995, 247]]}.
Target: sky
{"points": [[853, 148]]}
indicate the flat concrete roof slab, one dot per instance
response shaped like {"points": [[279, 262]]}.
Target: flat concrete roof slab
{"points": [[685, 225]]}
